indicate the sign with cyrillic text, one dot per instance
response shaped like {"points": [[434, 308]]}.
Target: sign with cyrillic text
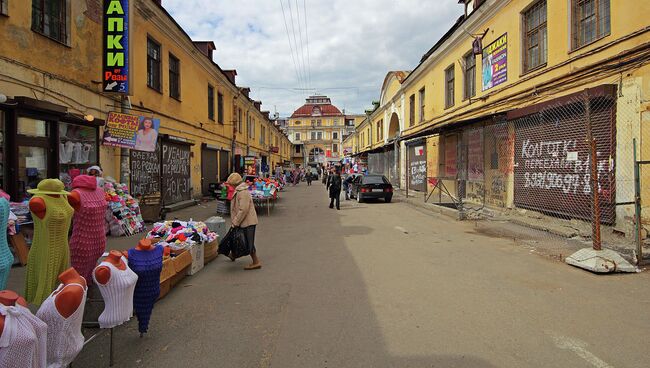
{"points": [[115, 72]]}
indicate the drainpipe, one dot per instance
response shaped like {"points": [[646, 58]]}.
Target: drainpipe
{"points": [[125, 170]]}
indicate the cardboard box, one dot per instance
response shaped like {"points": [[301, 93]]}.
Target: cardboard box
{"points": [[167, 270], [196, 251], [165, 287]]}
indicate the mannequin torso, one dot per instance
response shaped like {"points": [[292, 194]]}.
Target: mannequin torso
{"points": [[9, 298], [67, 301], [37, 205], [103, 273]]}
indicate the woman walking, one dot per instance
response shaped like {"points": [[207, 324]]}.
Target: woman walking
{"points": [[243, 215]]}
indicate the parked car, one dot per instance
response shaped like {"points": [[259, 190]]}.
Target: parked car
{"points": [[371, 187]]}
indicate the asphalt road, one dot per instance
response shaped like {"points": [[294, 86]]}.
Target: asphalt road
{"points": [[386, 285]]}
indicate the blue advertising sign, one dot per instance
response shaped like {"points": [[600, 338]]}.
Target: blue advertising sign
{"points": [[116, 46], [495, 63]]}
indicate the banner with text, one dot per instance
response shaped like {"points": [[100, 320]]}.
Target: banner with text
{"points": [[131, 131], [495, 63]]}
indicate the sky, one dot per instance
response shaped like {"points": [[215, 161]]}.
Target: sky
{"points": [[341, 48]]}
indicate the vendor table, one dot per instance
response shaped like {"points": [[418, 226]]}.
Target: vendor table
{"points": [[268, 202]]}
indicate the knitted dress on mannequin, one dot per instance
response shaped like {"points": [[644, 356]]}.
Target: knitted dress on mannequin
{"points": [[6, 258], [88, 240], [147, 264], [23, 343], [49, 254]]}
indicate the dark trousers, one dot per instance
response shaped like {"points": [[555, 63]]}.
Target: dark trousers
{"points": [[335, 197]]}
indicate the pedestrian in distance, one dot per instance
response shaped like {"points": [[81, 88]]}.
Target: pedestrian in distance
{"points": [[335, 190], [346, 186], [309, 178], [243, 215]]}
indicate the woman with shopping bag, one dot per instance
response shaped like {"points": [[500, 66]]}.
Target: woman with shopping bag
{"points": [[243, 218]]}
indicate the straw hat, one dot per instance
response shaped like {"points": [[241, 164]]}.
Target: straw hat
{"points": [[49, 186], [234, 179]]}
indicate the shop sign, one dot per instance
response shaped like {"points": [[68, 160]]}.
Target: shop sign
{"points": [[495, 63], [131, 131], [274, 149], [249, 164], [116, 46]]}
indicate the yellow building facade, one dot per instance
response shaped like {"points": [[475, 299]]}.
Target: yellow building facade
{"points": [[318, 127], [509, 80], [52, 78]]}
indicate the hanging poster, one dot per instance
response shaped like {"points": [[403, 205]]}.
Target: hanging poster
{"points": [[417, 174], [495, 63], [249, 164], [130, 131]]}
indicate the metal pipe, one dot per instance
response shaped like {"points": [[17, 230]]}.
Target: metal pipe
{"points": [[637, 207], [111, 357]]}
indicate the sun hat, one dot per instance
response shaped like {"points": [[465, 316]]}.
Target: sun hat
{"points": [[49, 186], [234, 179], [99, 169]]}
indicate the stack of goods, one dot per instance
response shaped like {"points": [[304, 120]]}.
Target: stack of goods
{"points": [[21, 211], [179, 235], [123, 215], [263, 188]]}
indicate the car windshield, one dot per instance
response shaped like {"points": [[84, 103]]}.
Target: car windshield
{"points": [[374, 180]]}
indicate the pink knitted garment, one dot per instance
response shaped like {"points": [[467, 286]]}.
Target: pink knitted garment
{"points": [[88, 240]]}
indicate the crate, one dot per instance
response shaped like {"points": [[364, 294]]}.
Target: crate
{"points": [[165, 288], [210, 250], [167, 270]]}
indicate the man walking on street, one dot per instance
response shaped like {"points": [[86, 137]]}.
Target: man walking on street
{"points": [[334, 184], [308, 177], [346, 186]]}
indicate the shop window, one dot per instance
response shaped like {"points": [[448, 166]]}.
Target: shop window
{"points": [[210, 102], [535, 42], [411, 110], [32, 168], [174, 77], [449, 86], [32, 127], [49, 18], [219, 108], [153, 64], [77, 150], [469, 80], [589, 21]]}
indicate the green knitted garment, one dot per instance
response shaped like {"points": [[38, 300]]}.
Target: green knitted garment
{"points": [[49, 254]]}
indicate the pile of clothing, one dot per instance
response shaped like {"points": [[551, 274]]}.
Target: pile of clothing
{"points": [[123, 216], [263, 188], [178, 235]]}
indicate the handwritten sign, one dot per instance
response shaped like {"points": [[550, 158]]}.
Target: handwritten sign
{"points": [[145, 172], [176, 182], [417, 168]]}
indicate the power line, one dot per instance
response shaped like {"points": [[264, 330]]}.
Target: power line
{"points": [[304, 5], [290, 45], [302, 48], [295, 41]]}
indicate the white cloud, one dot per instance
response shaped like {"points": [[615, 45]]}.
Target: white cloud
{"points": [[352, 44]]}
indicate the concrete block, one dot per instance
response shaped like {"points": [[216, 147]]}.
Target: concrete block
{"points": [[600, 261]]}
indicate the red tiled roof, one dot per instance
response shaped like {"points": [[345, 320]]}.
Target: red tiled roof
{"points": [[325, 110]]}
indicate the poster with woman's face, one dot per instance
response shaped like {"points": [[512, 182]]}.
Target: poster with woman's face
{"points": [[147, 134]]}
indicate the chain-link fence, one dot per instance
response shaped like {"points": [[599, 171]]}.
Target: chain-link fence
{"points": [[564, 169]]}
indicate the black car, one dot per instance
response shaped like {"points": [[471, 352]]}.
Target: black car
{"points": [[371, 187]]}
